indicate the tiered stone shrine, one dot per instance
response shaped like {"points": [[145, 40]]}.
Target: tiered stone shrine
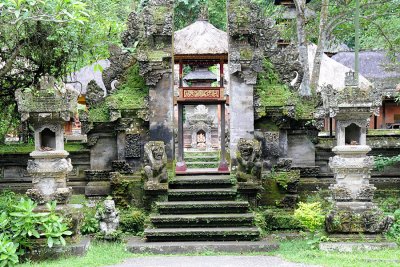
{"points": [[352, 194], [48, 109]]}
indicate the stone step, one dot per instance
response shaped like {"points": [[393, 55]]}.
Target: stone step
{"points": [[202, 164], [196, 207], [202, 194], [203, 220], [202, 234], [140, 246], [189, 154], [202, 159], [201, 181]]}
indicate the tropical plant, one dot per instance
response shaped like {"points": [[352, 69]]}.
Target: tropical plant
{"points": [[310, 216], [21, 225], [8, 251]]}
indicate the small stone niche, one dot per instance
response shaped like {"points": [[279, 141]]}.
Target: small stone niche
{"points": [[47, 139], [352, 134]]}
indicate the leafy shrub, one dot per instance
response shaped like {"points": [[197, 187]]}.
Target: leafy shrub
{"points": [[310, 216], [394, 231], [90, 224], [281, 220], [380, 162], [132, 220], [20, 225], [8, 251]]}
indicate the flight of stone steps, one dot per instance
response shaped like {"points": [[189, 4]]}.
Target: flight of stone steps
{"points": [[202, 159], [202, 208]]}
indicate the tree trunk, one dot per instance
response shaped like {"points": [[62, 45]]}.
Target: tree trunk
{"points": [[302, 43], [321, 45]]}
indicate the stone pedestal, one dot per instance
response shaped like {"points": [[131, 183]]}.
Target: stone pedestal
{"points": [[354, 211], [155, 192], [49, 171], [249, 191]]}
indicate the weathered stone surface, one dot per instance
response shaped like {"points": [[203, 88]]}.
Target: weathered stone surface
{"points": [[136, 245], [356, 246], [43, 252], [48, 108], [353, 210], [371, 221]]}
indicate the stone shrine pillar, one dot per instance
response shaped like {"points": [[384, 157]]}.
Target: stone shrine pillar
{"points": [[353, 211], [48, 109], [245, 61], [154, 53]]}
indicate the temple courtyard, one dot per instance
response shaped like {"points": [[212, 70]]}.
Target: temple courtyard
{"points": [[199, 133]]}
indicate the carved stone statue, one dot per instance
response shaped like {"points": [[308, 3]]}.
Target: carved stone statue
{"points": [[108, 219], [249, 163], [201, 140], [155, 160]]}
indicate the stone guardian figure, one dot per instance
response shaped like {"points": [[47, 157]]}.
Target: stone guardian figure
{"points": [[108, 219], [155, 161], [249, 162]]}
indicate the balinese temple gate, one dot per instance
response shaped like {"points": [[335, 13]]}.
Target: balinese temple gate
{"points": [[198, 48]]}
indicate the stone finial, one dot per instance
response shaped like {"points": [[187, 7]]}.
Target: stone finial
{"points": [[203, 13], [350, 79]]}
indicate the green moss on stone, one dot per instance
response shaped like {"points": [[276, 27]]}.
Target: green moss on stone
{"points": [[274, 93], [284, 178], [131, 92], [265, 124], [159, 13], [130, 95], [27, 148], [246, 54], [280, 220], [157, 55], [99, 113]]}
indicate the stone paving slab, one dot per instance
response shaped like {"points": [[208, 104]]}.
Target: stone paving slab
{"points": [[209, 261], [137, 245]]}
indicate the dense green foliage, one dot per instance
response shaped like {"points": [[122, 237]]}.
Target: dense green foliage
{"points": [[394, 231], [20, 225], [380, 162], [310, 216], [187, 12], [132, 220]]}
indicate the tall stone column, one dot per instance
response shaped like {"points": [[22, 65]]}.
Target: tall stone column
{"points": [[245, 61], [48, 108], [154, 54]]}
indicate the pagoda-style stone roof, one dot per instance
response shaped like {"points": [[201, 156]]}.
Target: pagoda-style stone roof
{"points": [[200, 38]]}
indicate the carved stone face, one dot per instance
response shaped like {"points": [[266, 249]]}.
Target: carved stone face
{"points": [[246, 149], [158, 152], [109, 205]]}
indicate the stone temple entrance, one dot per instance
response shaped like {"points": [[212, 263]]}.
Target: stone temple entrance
{"points": [[201, 101]]}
